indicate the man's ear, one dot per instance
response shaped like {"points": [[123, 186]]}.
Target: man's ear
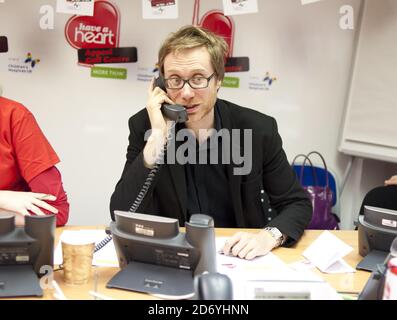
{"points": [[218, 85]]}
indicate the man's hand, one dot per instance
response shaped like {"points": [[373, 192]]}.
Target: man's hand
{"points": [[391, 181], [156, 97], [157, 139], [23, 202], [249, 245]]}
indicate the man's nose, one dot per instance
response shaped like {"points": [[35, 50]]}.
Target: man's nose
{"points": [[187, 92]]}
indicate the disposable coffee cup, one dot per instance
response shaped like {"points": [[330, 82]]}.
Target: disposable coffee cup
{"points": [[77, 256]]}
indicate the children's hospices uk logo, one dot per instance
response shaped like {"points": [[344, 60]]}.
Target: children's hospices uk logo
{"points": [[23, 65], [30, 60]]}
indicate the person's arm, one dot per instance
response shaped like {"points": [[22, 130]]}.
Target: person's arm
{"points": [[47, 196], [50, 182], [133, 176], [246, 245], [286, 196], [141, 156], [157, 139], [391, 181], [22, 203]]}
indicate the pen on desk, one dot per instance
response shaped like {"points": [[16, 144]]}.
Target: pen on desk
{"points": [[99, 296], [59, 294]]}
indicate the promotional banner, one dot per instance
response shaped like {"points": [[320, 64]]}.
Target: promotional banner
{"points": [[96, 39], [108, 55], [261, 82], [160, 9], [23, 64], [99, 31], [78, 7], [235, 7]]}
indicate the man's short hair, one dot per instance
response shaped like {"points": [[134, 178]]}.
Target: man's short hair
{"points": [[189, 37]]}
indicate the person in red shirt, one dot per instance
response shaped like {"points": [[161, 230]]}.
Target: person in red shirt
{"points": [[29, 181]]}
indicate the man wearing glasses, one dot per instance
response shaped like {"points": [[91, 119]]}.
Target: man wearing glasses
{"points": [[191, 63]]}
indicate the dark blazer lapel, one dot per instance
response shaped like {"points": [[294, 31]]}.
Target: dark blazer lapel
{"points": [[234, 180]]}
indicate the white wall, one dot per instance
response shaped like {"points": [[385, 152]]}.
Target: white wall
{"points": [[85, 119]]}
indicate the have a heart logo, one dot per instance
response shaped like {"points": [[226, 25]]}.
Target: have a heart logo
{"points": [[99, 31]]}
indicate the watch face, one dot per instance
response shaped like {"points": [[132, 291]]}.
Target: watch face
{"points": [[276, 234]]}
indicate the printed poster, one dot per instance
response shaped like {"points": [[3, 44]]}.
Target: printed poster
{"points": [[77, 7], [235, 7], [160, 9]]}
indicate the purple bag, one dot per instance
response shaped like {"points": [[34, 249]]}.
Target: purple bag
{"points": [[320, 196]]}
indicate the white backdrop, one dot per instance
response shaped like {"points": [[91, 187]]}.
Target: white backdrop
{"points": [[369, 127], [85, 118]]}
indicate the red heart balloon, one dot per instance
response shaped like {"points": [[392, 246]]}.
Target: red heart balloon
{"points": [[221, 25], [99, 31]]}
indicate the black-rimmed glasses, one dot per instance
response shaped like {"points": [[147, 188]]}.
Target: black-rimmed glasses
{"points": [[196, 82]]}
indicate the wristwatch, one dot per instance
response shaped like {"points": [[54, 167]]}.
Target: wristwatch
{"points": [[276, 235]]}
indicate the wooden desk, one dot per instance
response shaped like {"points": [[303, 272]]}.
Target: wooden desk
{"points": [[349, 283]]}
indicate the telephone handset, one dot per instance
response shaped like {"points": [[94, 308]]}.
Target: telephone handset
{"points": [[175, 112]]}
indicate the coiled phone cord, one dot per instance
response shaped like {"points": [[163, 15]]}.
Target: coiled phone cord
{"points": [[103, 243], [153, 172], [145, 188]]}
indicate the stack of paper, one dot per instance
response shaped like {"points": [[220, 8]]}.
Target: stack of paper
{"points": [[268, 277], [327, 253]]}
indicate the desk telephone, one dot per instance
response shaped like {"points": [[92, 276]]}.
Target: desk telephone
{"points": [[24, 251]]}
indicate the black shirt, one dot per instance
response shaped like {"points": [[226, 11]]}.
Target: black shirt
{"points": [[207, 184]]}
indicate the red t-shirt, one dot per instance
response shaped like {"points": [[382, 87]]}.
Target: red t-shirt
{"points": [[24, 150]]}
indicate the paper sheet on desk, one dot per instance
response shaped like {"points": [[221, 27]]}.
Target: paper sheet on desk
{"points": [[267, 262], [327, 252], [269, 273], [105, 257]]}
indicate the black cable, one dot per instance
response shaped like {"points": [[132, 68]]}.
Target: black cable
{"points": [[103, 243], [152, 173], [146, 185]]}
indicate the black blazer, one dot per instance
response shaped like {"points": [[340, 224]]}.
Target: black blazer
{"points": [[270, 195]]}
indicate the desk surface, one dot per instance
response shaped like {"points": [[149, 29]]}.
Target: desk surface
{"points": [[347, 283]]}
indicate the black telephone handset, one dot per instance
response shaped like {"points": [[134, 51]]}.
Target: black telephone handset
{"points": [[175, 112], [213, 286]]}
